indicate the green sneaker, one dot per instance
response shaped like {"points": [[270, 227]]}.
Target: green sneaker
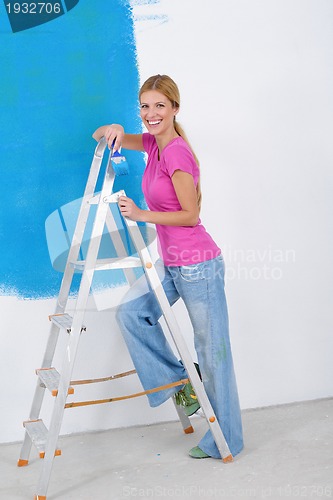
{"points": [[197, 452], [187, 398]]}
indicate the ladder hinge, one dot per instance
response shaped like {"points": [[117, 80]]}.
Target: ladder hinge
{"points": [[114, 197]]}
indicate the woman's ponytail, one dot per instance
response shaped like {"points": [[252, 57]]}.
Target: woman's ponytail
{"points": [[180, 131], [167, 87]]}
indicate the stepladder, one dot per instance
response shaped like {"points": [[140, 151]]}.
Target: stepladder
{"points": [[60, 383]]}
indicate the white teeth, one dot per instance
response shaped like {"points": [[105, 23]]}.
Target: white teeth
{"points": [[154, 123]]}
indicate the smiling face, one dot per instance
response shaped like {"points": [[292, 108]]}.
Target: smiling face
{"points": [[157, 113]]}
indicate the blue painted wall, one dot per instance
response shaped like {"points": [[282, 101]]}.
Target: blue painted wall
{"points": [[59, 81]]}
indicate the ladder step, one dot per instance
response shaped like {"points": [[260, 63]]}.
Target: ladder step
{"points": [[50, 379], [106, 264], [38, 435], [63, 321]]}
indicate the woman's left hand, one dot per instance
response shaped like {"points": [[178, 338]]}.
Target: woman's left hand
{"points": [[129, 209]]}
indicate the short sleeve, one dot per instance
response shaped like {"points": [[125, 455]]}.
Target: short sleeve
{"points": [[178, 156]]}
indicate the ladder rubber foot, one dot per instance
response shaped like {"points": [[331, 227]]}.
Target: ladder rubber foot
{"points": [[22, 463], [227, 459], [189, 430], [57, 453], [39, 497]]}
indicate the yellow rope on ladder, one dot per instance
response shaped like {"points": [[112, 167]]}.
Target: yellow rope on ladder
{"points": [[104, 379], [120, 398]]}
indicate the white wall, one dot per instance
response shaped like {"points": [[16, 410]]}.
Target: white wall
{"points": [[256, 81]]}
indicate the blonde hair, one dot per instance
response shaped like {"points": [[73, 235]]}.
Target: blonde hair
{"points": [[167, 87]]}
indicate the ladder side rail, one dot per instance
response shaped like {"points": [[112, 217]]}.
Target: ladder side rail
{"points": [[80, 225], [178, 339], [74, 250], [118, 244], [74, 336], [64, 290], [184, 419]]}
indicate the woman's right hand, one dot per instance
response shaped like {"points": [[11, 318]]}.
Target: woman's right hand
{"points": [[114, 132]]}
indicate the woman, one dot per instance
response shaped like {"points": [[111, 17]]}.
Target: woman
{"points": [[191, 267]]}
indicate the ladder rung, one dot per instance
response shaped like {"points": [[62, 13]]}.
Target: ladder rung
{"points": [[50, 379], [106, 264], [38, 435], [63, 321]]}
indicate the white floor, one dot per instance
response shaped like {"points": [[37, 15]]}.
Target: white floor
{"points": [[288, 454]]}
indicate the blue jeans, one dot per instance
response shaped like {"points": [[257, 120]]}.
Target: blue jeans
{"points": [[201, 286]]}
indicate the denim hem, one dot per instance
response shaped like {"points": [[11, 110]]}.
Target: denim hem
{"points": [[218, 456]]}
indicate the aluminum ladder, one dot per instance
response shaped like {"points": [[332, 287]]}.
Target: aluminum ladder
{"points": [[60, 384]]}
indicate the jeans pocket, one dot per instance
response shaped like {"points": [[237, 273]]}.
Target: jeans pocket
{"points": [[192, 273]]}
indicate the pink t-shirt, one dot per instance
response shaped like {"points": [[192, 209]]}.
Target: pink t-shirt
{"points": [[177, 245]]}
